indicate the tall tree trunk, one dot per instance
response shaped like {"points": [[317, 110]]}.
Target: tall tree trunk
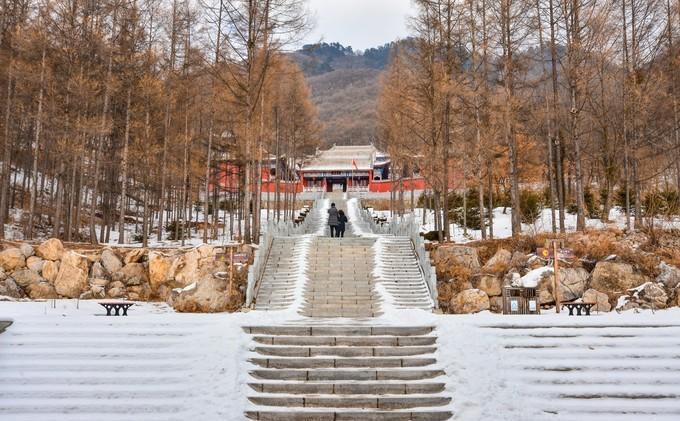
{"points": [[207, 178], [508, 129], [559, 172], [124, 165], [100, 146], [36, 151], [6, 156], [489, 171]]}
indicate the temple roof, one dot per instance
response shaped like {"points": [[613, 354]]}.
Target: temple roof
{"points": [[343, 158]]}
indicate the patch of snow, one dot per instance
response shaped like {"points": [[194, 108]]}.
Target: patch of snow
{"points": [[531, 279]]}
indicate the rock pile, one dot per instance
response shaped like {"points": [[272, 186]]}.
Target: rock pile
{"points": [[610, 283], [50, 271]]}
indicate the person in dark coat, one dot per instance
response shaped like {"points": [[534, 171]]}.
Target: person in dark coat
{"points": [[333, 220], [342, 220]]}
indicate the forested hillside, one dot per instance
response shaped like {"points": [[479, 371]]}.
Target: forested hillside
{"points": [[345, 87]]}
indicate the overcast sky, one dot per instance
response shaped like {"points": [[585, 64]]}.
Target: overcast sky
{"points": [[359, 23]]}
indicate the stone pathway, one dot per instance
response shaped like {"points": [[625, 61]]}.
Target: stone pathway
{"points": [[323, 371]]}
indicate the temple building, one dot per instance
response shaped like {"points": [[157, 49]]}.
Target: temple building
{"points": [[362, 169], [345, 168]]}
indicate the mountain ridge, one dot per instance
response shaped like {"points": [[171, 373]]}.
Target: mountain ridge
{"points": [[345, 85]]}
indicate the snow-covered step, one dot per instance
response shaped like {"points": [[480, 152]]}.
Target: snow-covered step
{"points": [[145, 367], [349, 388], [357, 372], [593, 369]]}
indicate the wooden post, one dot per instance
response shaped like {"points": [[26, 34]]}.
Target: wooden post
{"points": [[231, 270], [556, 278]]}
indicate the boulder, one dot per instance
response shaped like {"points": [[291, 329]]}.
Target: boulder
{"points": [[25, 277], [615, 279], [139, 292], [654, 295], [98, 292], [9, 288], [572, 284], [600, 298], [499, 263], [50, 270], [12, 259], [110, 261], [100, 282], [455, 262], [71, 281], [135, 256], [51, 249], [490, 284], [159, 269], [457, 286], [116, 292], [206, 251], [519, 260], [470, 301], [76, 260], [35, 264], [629, 305], [496, 304], [3, 275], [207, 295], [184, 270], [98, 271], [42, 290], [669, 276], [131, 274], [534, 262], [27, 250]]}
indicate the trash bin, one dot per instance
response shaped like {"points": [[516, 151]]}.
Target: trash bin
{"points": [[520, 300]]}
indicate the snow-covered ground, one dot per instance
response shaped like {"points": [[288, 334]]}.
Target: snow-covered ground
{"points": [[502, 224], [69, 362], [14, 231]]}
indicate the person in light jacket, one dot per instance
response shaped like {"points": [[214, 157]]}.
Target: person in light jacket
{"points": [[333, 220]]}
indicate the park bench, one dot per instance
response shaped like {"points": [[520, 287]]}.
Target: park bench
{"points": [[582, 309], [120, 307]]}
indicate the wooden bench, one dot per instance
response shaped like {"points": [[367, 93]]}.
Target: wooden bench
{"points": [[116, 306], [582, 309]]}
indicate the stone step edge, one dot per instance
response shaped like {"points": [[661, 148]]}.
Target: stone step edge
{"points": [[343, 330], [334, 414]]}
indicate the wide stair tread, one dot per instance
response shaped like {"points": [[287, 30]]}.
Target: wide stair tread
{"points": [[346, 373]]}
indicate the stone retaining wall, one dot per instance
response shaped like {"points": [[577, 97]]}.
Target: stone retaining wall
{"points": [[50, 270]]}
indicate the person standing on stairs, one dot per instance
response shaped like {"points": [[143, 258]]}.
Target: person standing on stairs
{"points": [[342, 220], [333, 220]]}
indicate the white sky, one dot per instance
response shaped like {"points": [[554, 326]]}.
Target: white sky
{"points": [[359, 23]]}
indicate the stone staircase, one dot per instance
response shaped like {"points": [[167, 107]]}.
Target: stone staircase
{"points": [[283, 274], [339, 363], [399, 273], [336, 373], [340, 279]]}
